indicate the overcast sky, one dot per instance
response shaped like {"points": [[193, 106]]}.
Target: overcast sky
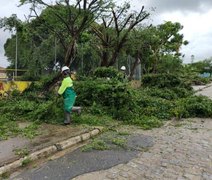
{"points": [[194, 15]]}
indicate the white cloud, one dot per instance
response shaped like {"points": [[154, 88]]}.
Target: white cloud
{"points": [[3, 59], [11, 7], [8, 8], [197, 30], [194, 15], [178, 5]]}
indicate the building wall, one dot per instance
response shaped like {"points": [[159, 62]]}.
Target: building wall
{"points": [[3, 74]]}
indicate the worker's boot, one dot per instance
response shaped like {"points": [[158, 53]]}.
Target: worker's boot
{"points": [[67, 118]]}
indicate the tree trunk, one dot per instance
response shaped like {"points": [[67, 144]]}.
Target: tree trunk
{"points": [[70, 53], [135, 64], [155, 66], [104, 61]]}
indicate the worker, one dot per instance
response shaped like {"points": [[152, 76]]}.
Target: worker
{"points": [[123, 70], [68, 93]]}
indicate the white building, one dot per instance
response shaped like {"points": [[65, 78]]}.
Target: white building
{"points": [[3, 74]]}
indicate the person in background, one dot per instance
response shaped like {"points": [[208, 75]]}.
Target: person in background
{"points": [[68, 93], [123, 70]]}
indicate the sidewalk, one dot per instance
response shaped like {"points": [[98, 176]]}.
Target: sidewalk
{"points": [[16, 148], [204, 90], [201, 87], [181, 151]]}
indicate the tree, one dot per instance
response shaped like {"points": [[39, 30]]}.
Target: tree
{"points": [[168, 40], [139, 48], [155, 46], [13, 24], [35, 50], [114, 30], [75, 18]]}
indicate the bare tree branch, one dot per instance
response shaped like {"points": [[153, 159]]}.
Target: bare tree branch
{"points": [[91, 4], [104, 22], [115, 21], [126, 22]]}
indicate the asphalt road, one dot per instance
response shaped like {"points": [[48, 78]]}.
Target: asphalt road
{"points": [[78, 162]]}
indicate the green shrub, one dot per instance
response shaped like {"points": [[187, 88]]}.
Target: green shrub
{"points": [[111, 97], [34, 87], [154, 106], [198, 106], [163, 96], [193, 106], [168, 93], [197, 80], [18, 106], [164, 81], [107, 93], [108, 72], [15, 93]]}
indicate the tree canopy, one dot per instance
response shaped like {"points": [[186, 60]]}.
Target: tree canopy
{"points": [[88, 34]]}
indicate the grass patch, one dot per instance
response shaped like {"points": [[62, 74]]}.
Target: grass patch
{"points": [[119, 142], [25, 162], [147, 123], [5, 175], [21, 152], [30, 131], [95, 145], [10, 128], [107, 141], [123, 133]]}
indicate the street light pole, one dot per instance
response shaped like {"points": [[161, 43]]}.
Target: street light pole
{"points": [[16, 53]]}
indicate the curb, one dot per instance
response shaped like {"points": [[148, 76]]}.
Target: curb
{"points": [[50, 150]]}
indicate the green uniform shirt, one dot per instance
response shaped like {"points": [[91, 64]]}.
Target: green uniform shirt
{"points": [[67, 82], [68, 93]]}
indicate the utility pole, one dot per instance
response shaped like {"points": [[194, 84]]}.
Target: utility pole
{"points": [[16, 52], [192, 59]]}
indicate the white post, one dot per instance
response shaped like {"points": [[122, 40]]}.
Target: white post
{"points": [[16, 53]]}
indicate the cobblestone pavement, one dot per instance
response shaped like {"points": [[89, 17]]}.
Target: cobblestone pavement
{"points": [[182, 151]]}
